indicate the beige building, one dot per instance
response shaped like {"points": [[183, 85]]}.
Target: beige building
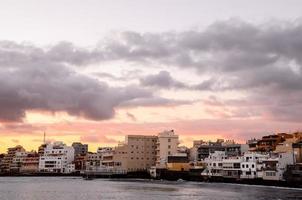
{"points": [[167, 144], [136, 154], [7, 161]]}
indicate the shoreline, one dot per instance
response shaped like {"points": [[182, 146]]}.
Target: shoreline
{"points": [[279, 184]]}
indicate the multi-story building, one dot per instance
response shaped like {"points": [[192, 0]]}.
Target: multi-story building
{"points": [[93, 161], [275, 166], [9, 157], [1, 158], [30, 164], [194, 150], [269, 143], [229, 147], [297, 148], [79, 148], [137, 153], [167, 145], [252, 165], [57, 158], [18, 161], [80, 163], [252, 143], [214, 167], [41, 149], [121, 157], [106, 156], [231, 167]]}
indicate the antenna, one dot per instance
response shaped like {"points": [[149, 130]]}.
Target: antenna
{"points": [[44, 138]]}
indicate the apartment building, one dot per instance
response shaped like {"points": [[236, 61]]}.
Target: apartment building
{"points": [[275, 166], [8, 158], [30, 163], [231, 167], [252, 165], [17, 161], [229, 147], [57, 158], [106, 156], [167, 145], [214, 164], [79, 148], [137, 153], [92, 161]]}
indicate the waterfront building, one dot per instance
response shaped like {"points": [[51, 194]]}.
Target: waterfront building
{"points": [[214, 167], [293, 174], [231, 167], [8, 158], [167, 145], [57, 158], [41, 149], [79, 148], [80, 162], [106, 156], [30, 163], [178, 162], [92, 161], [137, 153], [252, 165], [17, 161], [297, 148], [120, 158], [275, 166]]}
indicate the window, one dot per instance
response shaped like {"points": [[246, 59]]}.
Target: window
{"points": [[253, 165], [247, 166], [169, 146], [169, 140]]}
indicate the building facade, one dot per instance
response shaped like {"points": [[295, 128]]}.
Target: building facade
{"points": [[57, 158], [167, 145]]}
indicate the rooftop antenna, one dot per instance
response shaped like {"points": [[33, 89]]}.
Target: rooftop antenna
{"points": [[44, 138]]}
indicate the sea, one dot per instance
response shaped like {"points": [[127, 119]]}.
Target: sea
{"points": [[76, 188]]}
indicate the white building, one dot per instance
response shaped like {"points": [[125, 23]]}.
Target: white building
{"points": [[231, 167], [252, 165], [275, 166], [167, 145], [214, 164], [57, 158]]}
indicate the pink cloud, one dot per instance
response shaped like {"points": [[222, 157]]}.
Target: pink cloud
{"points": [[97, 139]]}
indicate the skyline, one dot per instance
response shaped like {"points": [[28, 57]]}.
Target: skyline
{"points": [[96, 71]]}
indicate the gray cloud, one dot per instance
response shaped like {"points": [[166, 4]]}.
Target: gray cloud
{"points": [[31, 79], [162, 80], [264, 61]]}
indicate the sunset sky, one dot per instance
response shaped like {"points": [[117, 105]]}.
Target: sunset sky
{"points": [[96, 70]]}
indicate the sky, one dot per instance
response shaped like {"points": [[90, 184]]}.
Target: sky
{"points": [[95, 71]]}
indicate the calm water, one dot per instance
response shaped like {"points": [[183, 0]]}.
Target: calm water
{"points": [[62, 188]]}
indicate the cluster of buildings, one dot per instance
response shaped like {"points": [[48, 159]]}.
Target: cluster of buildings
{"points": [[273, 157]]}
